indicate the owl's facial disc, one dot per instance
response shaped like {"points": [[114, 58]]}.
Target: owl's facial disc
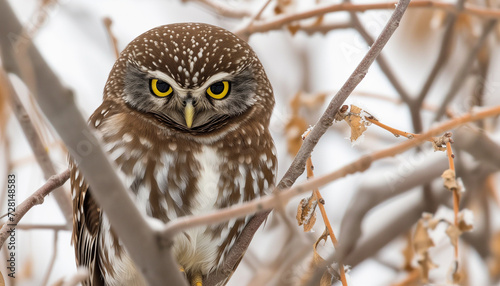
{"points": [[192, 109]]}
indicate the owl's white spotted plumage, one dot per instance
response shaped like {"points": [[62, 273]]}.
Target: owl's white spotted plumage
{"points": [[185, 117]]}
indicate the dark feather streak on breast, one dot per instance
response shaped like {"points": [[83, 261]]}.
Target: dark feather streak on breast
{"points": [[92, 214]]}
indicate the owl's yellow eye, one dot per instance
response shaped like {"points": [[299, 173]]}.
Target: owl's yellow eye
{"points": [[160, 88], [219, 90]]}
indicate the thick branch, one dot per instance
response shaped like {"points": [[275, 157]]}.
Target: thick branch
{"points": [[372, 243], [154, 260], [441, 59], [381, 188], [459, 79]]}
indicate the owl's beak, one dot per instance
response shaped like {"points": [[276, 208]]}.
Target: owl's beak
{"points": [[189, 113]]}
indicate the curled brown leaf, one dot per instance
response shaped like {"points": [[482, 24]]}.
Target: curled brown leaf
{"points": [[306, 212]]}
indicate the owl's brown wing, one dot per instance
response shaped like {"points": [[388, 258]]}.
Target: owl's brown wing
{"points": [[86, 228]]}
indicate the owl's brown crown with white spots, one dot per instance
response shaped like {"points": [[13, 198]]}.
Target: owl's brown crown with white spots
{"points": [[188, 52], [198, 51]]}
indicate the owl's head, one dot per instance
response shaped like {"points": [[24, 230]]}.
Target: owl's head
{"points": [[193, 78]]}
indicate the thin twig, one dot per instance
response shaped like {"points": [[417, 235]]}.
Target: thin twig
{"points": [[324, 27], [254, 18], [114, 42], [277, 22], [35, 199], [382, 62], [261, 10], [55, 227], [223, 10], [456, 195], [52, 259], [326, 220], [394, 131], [392, 182], [41, 155]]}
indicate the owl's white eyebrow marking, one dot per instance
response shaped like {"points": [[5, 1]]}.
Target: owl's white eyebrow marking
{"points": [[213, 79], [165, 78]]}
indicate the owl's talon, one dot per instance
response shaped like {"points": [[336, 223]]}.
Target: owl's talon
{"points": [[197, 280]]}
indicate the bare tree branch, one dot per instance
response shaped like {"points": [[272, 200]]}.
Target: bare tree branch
{"points": [[374, 242], [279, 21], [465, 68], [442, 57], [374, 192], [114, 42], [381, 60]]}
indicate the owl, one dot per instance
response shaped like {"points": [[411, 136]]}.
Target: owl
{"points": [[185, 118]]}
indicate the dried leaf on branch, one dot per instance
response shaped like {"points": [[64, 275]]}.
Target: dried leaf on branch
{"points": [[422, 242], [408, 253], [355, 117], [426, 265], [328, 278], [465, 220], [283, 6], [421, 239], [464, 224], [306, 212], [293, 132], [449, 180], [439, 143], [297, 124]]}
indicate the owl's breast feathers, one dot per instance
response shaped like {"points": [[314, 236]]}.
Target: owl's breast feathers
{"points": [[173, 176]]}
